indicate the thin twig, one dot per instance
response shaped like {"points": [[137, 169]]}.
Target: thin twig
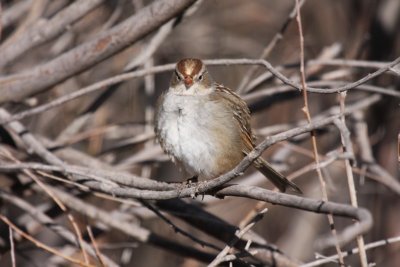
{"points": [[350, 179], [319, 206], [239, 234], [45, 220], [274, 41], [41, 245], [135, 231], [96, 247], [390, 183], [178, 229], [353, 251], [313, 136], [351, 63], [271, 91], [367, 159], [56, 200], [12, 248], [159, 37]]}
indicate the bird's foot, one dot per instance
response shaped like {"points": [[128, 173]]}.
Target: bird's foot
{"points": [[194, 183], [192, 180]]}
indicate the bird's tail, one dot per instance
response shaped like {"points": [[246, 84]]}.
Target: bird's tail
{"points": [[275, 177]]}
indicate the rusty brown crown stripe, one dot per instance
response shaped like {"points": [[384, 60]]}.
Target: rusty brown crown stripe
{"points": [[189, 66]]}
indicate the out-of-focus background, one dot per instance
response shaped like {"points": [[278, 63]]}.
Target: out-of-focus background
{"points": [[112, 128]]}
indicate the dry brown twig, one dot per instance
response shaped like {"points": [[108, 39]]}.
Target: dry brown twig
{"points": [[242, 88], [41, 245], [367, 159], [35, 146], [95, 246], [42, 218], [306, 111], [177, 229], [56, 200], [347, 147], [353, 251], [239, 234], [12, 248], [133, 230], [353, 63]]}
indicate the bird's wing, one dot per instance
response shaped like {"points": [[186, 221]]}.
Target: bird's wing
{"points": [[241, 114]]}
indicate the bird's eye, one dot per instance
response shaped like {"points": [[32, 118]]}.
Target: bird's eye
{"points": [[177, 76], [200, 77]]}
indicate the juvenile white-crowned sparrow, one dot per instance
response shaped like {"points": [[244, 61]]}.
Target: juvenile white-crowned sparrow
{"points": [[205, 126]]}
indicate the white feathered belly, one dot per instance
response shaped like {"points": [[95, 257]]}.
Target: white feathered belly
{"points": [[193, 137]]}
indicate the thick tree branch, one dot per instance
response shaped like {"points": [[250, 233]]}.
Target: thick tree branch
{"points": [[19, 86], [43, 30]]}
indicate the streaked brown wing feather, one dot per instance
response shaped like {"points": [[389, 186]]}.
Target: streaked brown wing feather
{"points": [[241, 113]]}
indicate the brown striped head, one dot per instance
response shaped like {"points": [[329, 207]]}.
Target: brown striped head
{"points": [[193, 75], [189, 68]]}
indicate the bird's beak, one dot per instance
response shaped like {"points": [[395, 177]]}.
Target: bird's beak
{"points": [[188, 80]]}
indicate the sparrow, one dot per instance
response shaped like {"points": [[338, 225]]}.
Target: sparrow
{"points": [[205, 127]]}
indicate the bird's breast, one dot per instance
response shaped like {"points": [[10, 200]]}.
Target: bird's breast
{"points": [[198, 133]]}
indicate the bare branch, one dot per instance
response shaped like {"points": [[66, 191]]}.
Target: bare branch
{"points": [[15, 12], [50, 223], [319, 206], [369, 246], [40, 244], [19, 86], [157, 69], [307, 113], [348, 148], [33, 145], [44, 30]]}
